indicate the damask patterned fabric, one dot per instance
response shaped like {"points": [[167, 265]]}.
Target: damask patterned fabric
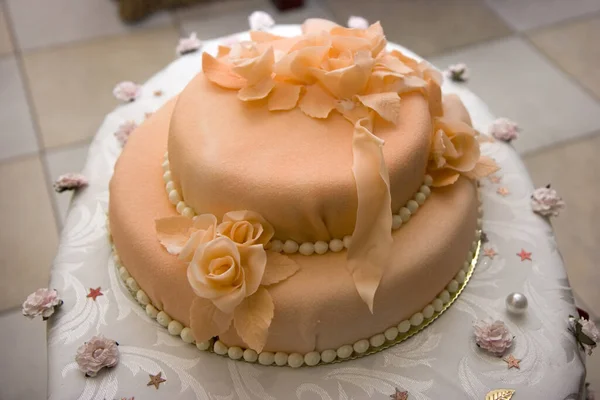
{"points": [[442, 362]]}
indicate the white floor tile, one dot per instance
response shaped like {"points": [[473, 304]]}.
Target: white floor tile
{"points": [[50, 22], [22, 357], [528, 14], [17, 134], [517, 82], [62, 161]]}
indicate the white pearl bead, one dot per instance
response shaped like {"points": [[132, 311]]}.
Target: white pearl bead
{"points": [[235, 353], [204, 345], [396, 222], [345, 351], [187, 335], [347, 241], [516, 303], [163, 318], [438, 305], [123, 273], [281, 358], [313, 358], [425, 190], [470, 255], [405, 214], [479, 222], [460, 277], [444, 296], [165, 165], [266, 358], [188, 212], [180, 206], [132, 284], [175, 328], [452, 286], [428, 180], [474, 246], [151, 311], [142, 297], [220, 348], [170, 186], [276, 246], [167, 176], [416, 319], [420, 198], [321, 247], [328, 356], [166, 155], [306, 248], [391, 333], [290, 247], [361, 346], [377, 340], [336, 245], [428, 311], [404, 326], [412, 206], [250, 355], [174, 197], [295, 360], [477, 235]]}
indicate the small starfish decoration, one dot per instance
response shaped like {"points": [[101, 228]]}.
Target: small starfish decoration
{"points": [[94, 293], [512, 362], [484, 238], [156, 380], [489, 252], [502, 191], [495, 179], [524, 255], [158, 93], [148, 115], [399, 395]]}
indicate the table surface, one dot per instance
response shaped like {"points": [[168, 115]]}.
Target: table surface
{"points": [[441, 362]]}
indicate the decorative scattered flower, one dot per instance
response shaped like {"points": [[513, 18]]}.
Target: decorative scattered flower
{"points": [[495, 178], [492, 336], [127, 91], [355, 22], [70, 181], [502, 191], [260, 21], [41, 302], [546, 202], [125, 129], [586, 333], [524, 255], [504, 129], [458, 72], [97, 353], [512, 362], [188, 45]]}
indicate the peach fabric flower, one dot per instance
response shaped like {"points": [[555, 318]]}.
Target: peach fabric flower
{"points": [[225, 273], [246, 228]]}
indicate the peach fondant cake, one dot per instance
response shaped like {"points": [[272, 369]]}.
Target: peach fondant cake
{"points": [[303, 200]]}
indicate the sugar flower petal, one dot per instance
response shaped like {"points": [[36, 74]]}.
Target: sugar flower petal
{"points": [[284, 96], [173, 232], [279, 268], [316, 102], [253, 317], [207, 321], [221, 73], [258, 91], [386, 105]]}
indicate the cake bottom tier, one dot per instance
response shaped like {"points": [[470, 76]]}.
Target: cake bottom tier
{"points": [[318, 308]]}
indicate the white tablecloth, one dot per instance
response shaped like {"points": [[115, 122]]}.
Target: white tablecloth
{"points": [[442, 362]]}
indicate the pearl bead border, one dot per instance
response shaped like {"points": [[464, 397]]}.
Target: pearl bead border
{"points": [[307, 248], [381, 341]]}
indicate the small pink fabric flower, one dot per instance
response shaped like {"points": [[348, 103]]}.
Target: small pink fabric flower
{"points": [[504, 129], [492, 336], [127, 91], [188, 45], [356, 22], [70, 181], [458, 72], [41, 302], [546, 202], [260, 21], [97, 353], [125, 129]]}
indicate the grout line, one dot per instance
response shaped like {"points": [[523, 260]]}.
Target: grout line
{"points": [[560, 143], [53, 149]]}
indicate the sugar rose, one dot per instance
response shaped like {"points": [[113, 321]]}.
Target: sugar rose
{"points": [[246, 228], [226, 274]]}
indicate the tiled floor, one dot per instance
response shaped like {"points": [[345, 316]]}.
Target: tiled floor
{"points": [[534, 61]]}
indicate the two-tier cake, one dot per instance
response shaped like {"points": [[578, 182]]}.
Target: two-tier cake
{"points": [[304, 200]]}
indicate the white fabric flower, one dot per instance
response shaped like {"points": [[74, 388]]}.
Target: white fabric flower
{"points": [[70, 181], [188, 45], [126, 91], [41, 302], [125, 129], [97, 353], [492, 336], [458, 72], [260, 21], [546, 202], [356, 22], [504, 129]]}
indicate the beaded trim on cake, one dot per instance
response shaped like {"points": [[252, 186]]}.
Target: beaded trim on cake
{"points": [[390, 337], [307, 248]]}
